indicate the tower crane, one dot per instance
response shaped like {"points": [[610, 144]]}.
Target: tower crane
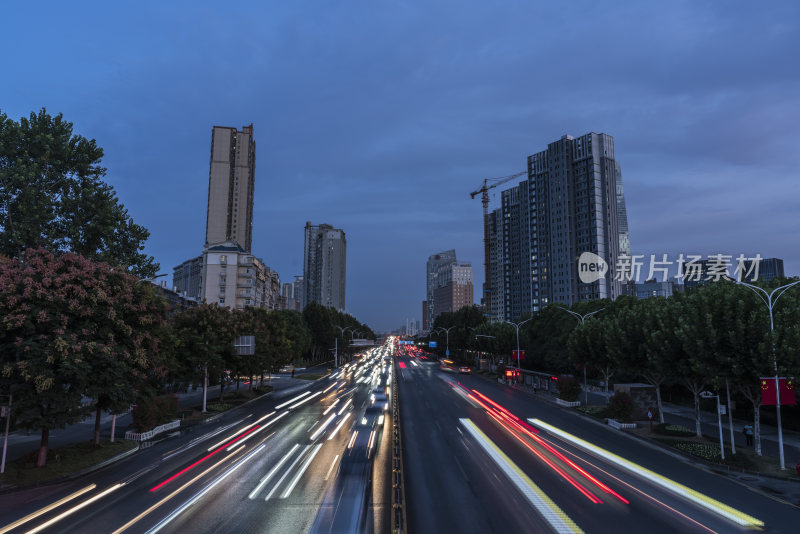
{"points": [[489, 183]]}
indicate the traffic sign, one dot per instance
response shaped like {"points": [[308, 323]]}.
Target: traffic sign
{"points": [[447, 352]]}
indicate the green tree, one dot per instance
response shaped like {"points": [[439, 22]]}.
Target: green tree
{"points": [[52, 196], [48, 339], [128, 323], [204, 337]]}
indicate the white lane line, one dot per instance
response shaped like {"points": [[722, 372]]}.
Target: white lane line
{"points": [[696, 497], [558, 520], [286, 474], [302, 470], [273, 471], [333, 463]]}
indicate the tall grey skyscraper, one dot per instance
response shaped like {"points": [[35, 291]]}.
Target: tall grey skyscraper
{"points": [[324, 266], [431, 268], [570, 204], [230, 186], [622, 214]]}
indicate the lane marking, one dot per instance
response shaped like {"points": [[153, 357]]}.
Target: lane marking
{"points": [[333, 463], [558, 520], [696, 497]]}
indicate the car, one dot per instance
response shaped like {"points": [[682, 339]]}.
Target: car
{"points": [[464, 370], [379, 398]]}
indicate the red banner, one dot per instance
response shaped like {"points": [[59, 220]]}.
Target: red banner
{"points": [[517, 354], [769, 396]]}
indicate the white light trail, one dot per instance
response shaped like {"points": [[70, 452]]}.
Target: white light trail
{"points": [[696, 497], [46, 509], [164, 522], [226, 440], [74, 509], [321, 429], [346, 404], [272, 472], [287, 473], [287, 403], [329, 408], [558, 520], [304, 400], [302, 470], [335, 430]]}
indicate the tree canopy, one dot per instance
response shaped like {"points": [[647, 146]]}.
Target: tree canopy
{"points": [[52, 196]]}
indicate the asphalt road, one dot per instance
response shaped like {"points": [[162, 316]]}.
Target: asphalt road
{"points": [[475, 462], [271, 466]]}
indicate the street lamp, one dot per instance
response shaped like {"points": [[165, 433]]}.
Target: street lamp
{"points": [[709, 395], [767, 299], [582, 320], [447, 339], [336, 345], [516, 326]]}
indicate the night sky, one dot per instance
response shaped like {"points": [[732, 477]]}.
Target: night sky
{"points": [[380, 117]]}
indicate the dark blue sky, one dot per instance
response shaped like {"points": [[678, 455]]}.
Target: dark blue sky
{"points": [[381, 117]]}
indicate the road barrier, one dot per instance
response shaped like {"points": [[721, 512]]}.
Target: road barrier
{"points": [[398, 489], [144, 436]]}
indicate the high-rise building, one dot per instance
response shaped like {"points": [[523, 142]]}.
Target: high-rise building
{"points": [[570, 204], [230, 186], [324, 266], [431, 267], [453, 288]]}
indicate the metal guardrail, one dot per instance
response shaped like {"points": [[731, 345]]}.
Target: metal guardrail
{"points": [[144, 436], [398, 487]]}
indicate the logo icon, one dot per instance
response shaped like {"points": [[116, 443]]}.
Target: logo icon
{"points": [[591, 267]]}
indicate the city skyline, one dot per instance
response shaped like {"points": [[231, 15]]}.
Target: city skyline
{"points": [[702, 120]]}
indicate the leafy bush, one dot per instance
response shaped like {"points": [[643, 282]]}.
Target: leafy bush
{"points": [[150, 412], [706, 451], [620, 406], [673, 430], [568, 388]]}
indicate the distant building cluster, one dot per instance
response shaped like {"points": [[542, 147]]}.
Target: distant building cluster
{"points": [[227, 272], [449, 286]]}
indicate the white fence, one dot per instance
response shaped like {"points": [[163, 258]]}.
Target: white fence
{"points": [[144, 436]]}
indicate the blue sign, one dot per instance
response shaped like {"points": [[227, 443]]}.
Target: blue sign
{"points": [[447, 352], [432, 344]]}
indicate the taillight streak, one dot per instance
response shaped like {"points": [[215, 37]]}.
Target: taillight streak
{"points": [[201, 460]]}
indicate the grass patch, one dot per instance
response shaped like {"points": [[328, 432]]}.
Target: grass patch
{"points": [[218, 406], [311, 376], [598, 412], [61, 462], [673, 430]]}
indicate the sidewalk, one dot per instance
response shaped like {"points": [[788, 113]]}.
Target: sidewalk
{"points": [[22, 442]]}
